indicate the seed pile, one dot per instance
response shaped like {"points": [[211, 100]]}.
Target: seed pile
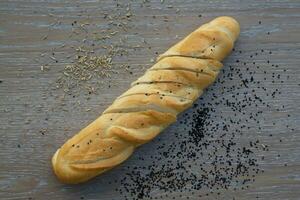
{"points": [[211, 153], [94, 50], [88, 71]]}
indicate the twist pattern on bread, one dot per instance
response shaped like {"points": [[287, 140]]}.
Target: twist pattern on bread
{"points": [[150, 105]]}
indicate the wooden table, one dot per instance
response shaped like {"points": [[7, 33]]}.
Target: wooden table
{"points": [[39, 38]]}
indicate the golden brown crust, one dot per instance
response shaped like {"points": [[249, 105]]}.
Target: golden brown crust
{"points": [[199, 80], [213, 40], [150, 105], [190, 64], [164, 89], [167, 103]]}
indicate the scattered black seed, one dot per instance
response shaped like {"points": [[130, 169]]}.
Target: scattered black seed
{"points": [[211, 145]]}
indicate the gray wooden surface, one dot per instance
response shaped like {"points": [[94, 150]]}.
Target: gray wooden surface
{"points": [[34, 122]]}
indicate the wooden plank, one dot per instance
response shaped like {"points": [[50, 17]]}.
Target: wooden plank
{"points": [[36, 119]]}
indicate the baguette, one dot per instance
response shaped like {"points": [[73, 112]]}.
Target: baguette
{"points": [[150, 105]]}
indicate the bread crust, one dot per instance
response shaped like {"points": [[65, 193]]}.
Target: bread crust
{"points": [[150, 105]]}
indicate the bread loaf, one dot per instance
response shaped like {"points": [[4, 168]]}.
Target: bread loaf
{"points": [[150, 105]]}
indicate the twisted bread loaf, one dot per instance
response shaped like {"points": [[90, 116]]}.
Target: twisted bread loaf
{"points": [[150, 105]]}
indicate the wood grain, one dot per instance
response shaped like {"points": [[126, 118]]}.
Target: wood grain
{"points": [[33, 123]]}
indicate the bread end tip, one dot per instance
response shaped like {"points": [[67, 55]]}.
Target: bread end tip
{"points": [[230, 23]]}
